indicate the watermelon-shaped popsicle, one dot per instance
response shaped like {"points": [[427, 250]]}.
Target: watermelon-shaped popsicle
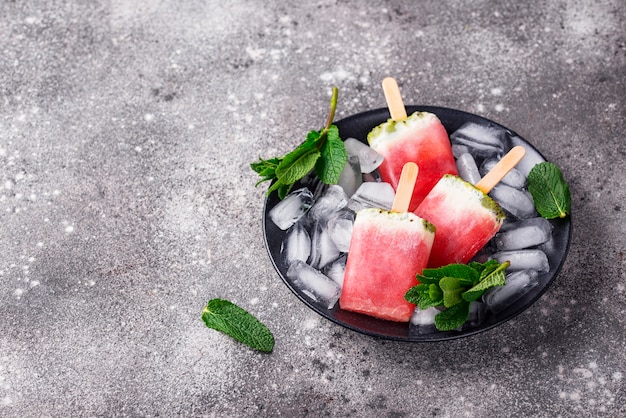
{"points": [[387, 249], [420, 138], [466, 218]]}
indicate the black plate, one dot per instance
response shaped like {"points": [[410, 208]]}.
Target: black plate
{"points": [[358, 126]]}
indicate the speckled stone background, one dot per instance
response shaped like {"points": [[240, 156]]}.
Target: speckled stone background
{"points": [[127, 202]]}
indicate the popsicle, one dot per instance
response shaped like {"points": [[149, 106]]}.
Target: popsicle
{"points": [[419, 138], [387, 249], [466, 218]]}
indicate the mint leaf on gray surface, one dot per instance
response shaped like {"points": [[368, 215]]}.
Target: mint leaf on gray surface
{"points": [[224, 316], [549, 190]]}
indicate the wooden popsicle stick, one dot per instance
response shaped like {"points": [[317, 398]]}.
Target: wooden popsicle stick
{"points": [[394, 99], [404, 192], [501, 169]]}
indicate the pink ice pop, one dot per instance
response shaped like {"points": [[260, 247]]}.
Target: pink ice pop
{"points": [[466, 218], [387, 249], [420, 138]]}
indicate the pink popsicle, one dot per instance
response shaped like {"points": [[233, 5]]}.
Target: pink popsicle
{"points": [[420, 138], [466, 218], [386, 251]]}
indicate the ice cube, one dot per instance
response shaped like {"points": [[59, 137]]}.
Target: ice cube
{"points": [[371, 177], [351, 176], [524, 260], [466, 166], [482, 140], [514, 178], [289, 210], [332, 200], [296, 245], [476, 314], [531, 158], [423, 317], [517, 285], [518, 203], [523, 234], [369, 159], [373, 195], [323, 249], [340, 229], [337, 270], [315, 284], [458, 150]]}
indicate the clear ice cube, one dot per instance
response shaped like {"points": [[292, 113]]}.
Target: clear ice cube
{"points": [[351, 176], [517, 285], [369, 159], [467, 168], [481, 140], [296, 245], [531, 158], [476, 314], [514, 178], [337, 270], [423, 317], [458, 150], [289, 210], [323, 249], [315, 284], [524, 260], [373, 195], [332, 200], [518, 203], [523, 234], [340, 229]]}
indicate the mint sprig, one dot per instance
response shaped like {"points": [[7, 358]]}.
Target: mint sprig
{"points": [[549, 190], [454, 287], [322, 151], [224, 316]]}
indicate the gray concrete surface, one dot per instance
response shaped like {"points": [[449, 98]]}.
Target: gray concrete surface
{"points": [[126, 203]]}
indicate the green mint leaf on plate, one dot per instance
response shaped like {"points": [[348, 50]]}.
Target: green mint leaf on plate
{"points": [[452, 317], [421, 296], [451, 270], [454, 287], [226, 317], [333, 157], [297, 164], [492, 277], [321, 150], [549, 190]]}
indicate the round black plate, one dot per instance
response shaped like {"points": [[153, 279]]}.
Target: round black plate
{"points": [[358, 126]]}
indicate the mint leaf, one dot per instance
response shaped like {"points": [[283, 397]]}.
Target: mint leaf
{"points": [[420, 295], [290, 168], [297, 164], [455, 286], [266, 169], [226, 317], [451, 270], [549, 190], [435, 293], [333, 157], [452, 317], [452, 289], [492, 277]]}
